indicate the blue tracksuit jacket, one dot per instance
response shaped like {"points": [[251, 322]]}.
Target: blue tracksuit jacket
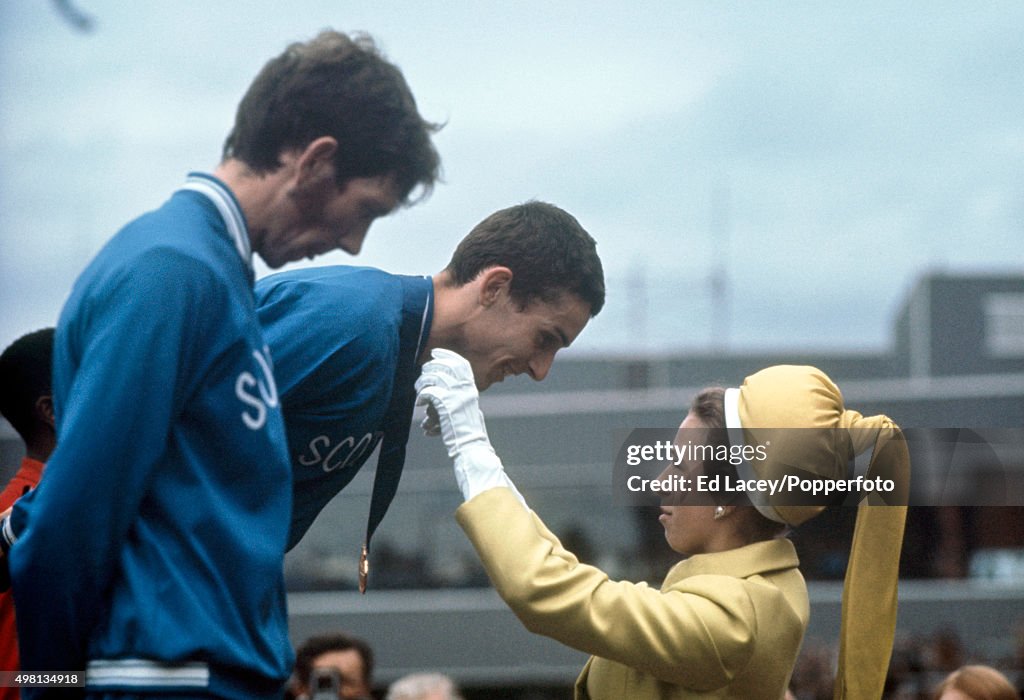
{"points": [[334, 333], [151, 553]]}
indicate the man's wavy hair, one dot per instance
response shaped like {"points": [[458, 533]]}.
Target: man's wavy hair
{"points": [[339, 86]]}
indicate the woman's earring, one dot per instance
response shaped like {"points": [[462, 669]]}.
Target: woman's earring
{"points": [[719, 512]]}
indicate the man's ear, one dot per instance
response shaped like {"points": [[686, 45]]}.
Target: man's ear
{"points": [[315, 164], [44, 410], [494, 282]]}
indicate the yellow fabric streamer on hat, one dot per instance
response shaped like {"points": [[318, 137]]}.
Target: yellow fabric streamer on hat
{"points": [[797, 413]]}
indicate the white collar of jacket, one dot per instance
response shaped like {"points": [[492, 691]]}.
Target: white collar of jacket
{"points": [[222, 197]]}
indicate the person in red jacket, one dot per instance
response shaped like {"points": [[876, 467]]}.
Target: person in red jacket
{"points": [[26, 403]]}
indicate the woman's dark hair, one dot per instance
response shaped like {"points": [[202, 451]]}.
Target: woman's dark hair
{"points": [[709, 407]]}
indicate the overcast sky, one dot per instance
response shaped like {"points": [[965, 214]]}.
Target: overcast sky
{"points": [[823, 154]]}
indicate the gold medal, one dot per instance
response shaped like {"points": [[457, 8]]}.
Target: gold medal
{"points": [[364, 569]]}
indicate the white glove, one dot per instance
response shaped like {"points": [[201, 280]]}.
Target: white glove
{"points": [[446, 386]]}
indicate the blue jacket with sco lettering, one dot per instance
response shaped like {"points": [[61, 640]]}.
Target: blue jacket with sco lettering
{"points": [[334, 335], [151, 554]]}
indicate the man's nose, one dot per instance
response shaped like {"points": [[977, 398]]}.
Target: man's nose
{"points": [[540, 365]]}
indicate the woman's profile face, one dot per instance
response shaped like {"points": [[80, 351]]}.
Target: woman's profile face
{"points": [[688, 524]]}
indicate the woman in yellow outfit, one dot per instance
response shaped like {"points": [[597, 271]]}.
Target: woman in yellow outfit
{"points": [[728, 620]]}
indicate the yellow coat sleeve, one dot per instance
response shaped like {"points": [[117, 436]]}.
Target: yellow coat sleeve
{"points": [[699, 632]]}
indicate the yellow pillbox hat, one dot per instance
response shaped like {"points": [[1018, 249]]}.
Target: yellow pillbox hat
{"points": [[798, 413]]}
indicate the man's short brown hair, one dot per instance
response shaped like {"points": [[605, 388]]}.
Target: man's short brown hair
{"points": [[339, 86], [546, 249]]}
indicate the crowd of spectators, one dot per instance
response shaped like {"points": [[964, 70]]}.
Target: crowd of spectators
{"points": [[919, 665]]}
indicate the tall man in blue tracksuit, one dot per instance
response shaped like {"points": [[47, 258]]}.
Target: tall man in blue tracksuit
{"points": [[150, 558], [348, 342]]}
